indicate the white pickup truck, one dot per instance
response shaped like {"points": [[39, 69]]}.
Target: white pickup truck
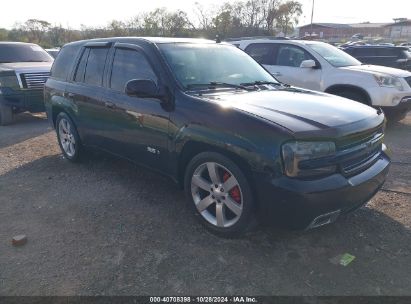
{"points": [[322, 67]]}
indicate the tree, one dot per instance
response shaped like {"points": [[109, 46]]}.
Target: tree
{"points": [[3, 34], [288, 14], [35, 29], [230, 19]]}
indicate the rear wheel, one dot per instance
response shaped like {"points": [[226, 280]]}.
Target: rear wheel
{"points": [[6, 115], [219, 194], [68, 138]]}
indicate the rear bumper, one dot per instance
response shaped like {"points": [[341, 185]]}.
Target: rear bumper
{"points": [[23, 100], [297, 204]]}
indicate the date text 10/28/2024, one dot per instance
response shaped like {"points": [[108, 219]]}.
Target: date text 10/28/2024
{"points": [[234, 299]]}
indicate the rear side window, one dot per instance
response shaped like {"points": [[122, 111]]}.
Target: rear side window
{"points": [[127, 65], [261, 52], [95, 66], [365, 52], [64, 61], [389, 52]]}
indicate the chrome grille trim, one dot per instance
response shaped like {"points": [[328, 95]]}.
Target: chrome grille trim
{"points": [[34, 80], [361, 156]]}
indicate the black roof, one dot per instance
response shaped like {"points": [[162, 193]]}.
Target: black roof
{"points": [[376, 47], [154, 40]]}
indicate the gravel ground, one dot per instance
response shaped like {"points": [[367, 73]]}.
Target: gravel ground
{"points": [[107, 227]]}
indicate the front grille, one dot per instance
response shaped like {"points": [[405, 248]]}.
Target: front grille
{"points": [[34, 80], [361, 155], [356, 139], [408, 80]]}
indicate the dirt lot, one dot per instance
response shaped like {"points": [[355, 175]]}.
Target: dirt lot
{"points": [[106, 227]]}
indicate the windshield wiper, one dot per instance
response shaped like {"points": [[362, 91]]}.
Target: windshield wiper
{"points": [[214, 84], [259, 82]]}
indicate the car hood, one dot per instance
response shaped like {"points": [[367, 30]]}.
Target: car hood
{"points": [[26, 66], [379, 69], [302, 111]]}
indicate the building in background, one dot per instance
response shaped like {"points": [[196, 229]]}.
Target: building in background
{"points": [[338, 31], [399, 30]]}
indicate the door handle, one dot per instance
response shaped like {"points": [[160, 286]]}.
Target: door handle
{"points": [[109, 105], [276, 74]]}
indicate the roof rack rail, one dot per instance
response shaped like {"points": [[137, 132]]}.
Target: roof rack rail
{"points": [[256, 37]]}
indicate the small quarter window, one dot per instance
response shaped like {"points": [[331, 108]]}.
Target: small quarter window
{"points": [[64, 62]]}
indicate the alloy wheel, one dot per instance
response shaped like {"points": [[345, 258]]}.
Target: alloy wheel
{"points": [[66, 136], [217, 194]]}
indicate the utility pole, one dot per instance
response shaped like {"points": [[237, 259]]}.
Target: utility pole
{"points": [[312, 16]]}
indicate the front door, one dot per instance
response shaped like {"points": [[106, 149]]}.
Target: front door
{"points": [[138, 126], [286, 67]]}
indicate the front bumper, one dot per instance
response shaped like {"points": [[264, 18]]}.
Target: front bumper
{"points": [[23, 100], [388, 97], [297, 203], [402, 108]]}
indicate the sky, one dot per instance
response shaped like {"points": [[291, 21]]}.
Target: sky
{"points": [[73, 13]]}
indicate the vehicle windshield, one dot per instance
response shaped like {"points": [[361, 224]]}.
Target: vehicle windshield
{"points": [[333, 55], [195, 65], [23, 53]]}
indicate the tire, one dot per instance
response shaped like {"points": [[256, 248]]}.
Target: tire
{"points": [[225, 212], [6, 115], [394, 116], [353, 95], [68, 138]]}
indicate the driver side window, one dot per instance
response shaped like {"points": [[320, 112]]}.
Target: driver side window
{"points": [[128, 65], [292, 56]]}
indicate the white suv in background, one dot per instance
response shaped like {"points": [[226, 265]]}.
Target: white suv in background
{"points": [[322, 67]]}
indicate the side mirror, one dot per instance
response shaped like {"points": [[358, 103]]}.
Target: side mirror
{"points": [[142, 88], [310, 64]]}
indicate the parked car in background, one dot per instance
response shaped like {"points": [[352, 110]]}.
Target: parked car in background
{"points": [[211, 118], [53, 52], [391, 56], [24, 68], [322, 67]]}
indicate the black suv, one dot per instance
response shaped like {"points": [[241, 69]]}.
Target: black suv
{"points": [[207, 115], [24, 68], [391, 56]]}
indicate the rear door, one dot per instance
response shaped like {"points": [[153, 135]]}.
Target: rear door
{"points": [[389, 57], [85, 90]]}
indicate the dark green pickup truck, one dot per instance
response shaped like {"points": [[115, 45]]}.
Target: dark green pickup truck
{"points": [[24, 69]]}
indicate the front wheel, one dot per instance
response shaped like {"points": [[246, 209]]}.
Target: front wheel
{"points": [[219, 194], [353, 95], [394, 115], [68, 138]]}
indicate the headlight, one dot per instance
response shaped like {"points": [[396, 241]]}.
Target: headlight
{"points": [[388, 81], [9, 81], [299, 156]]}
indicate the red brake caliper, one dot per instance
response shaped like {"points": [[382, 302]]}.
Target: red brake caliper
{"points": [[235, 192]]}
